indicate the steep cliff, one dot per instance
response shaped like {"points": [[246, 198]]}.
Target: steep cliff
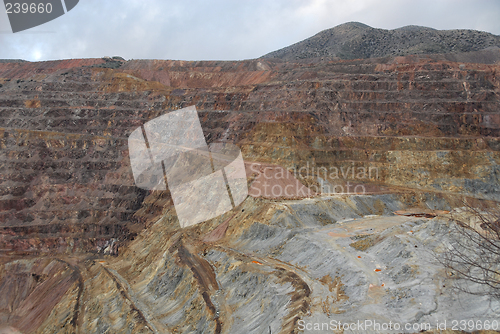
{"points": [[84, 250]]}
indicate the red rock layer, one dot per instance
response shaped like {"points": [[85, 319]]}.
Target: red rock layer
{"points": [[66, 183]]}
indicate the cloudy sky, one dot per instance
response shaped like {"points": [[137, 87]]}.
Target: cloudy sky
{"points": [[223, 29]]}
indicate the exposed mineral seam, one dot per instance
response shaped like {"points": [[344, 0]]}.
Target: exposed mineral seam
{"points": [[77, 274], [204, 275], [126, 291]]}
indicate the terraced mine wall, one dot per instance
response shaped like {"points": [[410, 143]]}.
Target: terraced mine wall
{"points": [[66, 183]]}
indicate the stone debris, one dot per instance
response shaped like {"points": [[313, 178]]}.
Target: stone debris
{"points": [[374, 153]]}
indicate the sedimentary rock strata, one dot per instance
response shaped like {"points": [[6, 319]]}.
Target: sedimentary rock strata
{"points": [[409, 135]]}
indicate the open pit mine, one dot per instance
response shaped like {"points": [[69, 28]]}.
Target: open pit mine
{"points": [[355, 169]]}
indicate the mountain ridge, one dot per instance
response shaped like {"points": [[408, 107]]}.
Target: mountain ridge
{"points": [[355, 40]]}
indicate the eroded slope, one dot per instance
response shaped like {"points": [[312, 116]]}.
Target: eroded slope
{"points": [[116, 254]]}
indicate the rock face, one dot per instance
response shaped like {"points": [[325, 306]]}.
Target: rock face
{"points": [[356, 40], [84, 250]]}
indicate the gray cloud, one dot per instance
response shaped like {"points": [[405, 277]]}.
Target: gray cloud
{"points": [[223, 29]]}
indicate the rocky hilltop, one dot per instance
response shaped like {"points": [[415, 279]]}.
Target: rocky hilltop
{"points": [[385, 147], [356, 40]]}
